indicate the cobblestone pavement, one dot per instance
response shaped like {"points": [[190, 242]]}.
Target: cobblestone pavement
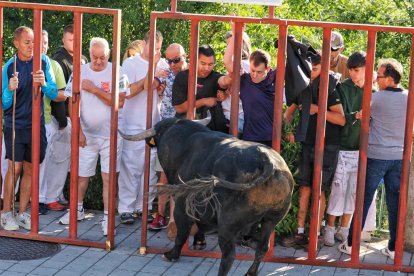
{"points": [[125, 260]]}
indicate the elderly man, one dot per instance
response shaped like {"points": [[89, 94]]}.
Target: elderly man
{"points": [[21, 82], [95, 118], [175, 57]]}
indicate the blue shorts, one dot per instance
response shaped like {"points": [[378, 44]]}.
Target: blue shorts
{"points": [[23, 144]]}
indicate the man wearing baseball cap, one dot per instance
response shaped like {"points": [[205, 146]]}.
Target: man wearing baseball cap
{"points": [[338, 61]]}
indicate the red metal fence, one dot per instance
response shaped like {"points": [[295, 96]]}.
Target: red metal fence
{"points": [[116, 38], [195, 20], [327, 27]]}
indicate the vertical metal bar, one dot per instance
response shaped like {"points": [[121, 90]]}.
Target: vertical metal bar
{"points": [[235, 86], [278, 105], [405, 174], [192, 75], [279, 87], [363, 147], [173, 5], [76, 97], [116, 52], [36, 98], [152, 41], [1, 91], [271, 11], [319, 144]]}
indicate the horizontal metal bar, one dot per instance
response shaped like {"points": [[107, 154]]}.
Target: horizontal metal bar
{"points": [[279, 21], [49, 7], [38, 237], [289, 260]]}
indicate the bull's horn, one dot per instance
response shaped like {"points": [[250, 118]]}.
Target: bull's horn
{"points": [[139, 136], [206, 120]]}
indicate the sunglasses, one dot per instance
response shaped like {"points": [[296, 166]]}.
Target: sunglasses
{"points": [[175, 61]]}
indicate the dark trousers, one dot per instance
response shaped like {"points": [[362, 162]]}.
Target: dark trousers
{"points": [[390, 171]]}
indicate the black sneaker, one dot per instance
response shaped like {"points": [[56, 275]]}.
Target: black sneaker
{"points": [[127, 218], [43, 210], [295, 240]]}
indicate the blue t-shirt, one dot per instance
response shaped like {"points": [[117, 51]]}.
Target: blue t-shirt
{"points": [[258, 103]]}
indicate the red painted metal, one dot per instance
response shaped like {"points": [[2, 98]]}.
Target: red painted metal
{"points": [[78, 12], [36, 98], [173, 5], [271, 11], [405, 174], [192, 69], [235, 86], [363, 146], [327, 26], [76, 98], [150, 102], [319, 145], [116, 53], [279, 87]]}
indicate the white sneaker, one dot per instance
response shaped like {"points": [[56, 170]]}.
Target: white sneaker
{"points": [[24, 220], [388, 253], [8, 222], [342, 234], [104, 227], [328, 236], [365, 236], [65, 219], [344, 248]]}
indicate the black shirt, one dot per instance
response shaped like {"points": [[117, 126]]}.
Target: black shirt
{"points": [[206, 87]]}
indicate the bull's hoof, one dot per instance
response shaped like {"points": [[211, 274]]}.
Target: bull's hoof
{"points": [[199, 245], [168, 257]]}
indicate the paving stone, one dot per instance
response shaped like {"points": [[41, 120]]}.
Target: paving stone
{"points": [[298, 270], [67, 273], [339, 271], [85, 261], [5, 264], [54, 264], [44, 271], [108, 263], [322, 270], [120, 272], [204, 267], [268, 268], [156, 265], [134, 263], [13, 273], [20, 267]]}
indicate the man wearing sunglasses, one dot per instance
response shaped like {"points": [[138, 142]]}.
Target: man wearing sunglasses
{"points": [[338, 61], [176, 59], [208, 83]]}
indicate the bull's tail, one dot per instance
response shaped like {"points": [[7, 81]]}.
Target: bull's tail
{"points": [[198, 195]]}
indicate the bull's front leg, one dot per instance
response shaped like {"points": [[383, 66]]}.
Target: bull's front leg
{"points": [[262, 245], [184, 224]]}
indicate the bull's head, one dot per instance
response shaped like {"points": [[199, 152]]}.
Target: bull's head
{"points": [[153, 135]]}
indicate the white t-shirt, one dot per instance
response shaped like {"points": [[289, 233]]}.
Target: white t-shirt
{"points": [[135, 109], [95, 116]]}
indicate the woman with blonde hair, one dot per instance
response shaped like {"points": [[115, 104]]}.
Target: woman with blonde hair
{"points": [[134, 48]]}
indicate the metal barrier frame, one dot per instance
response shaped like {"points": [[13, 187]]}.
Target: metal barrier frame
{"points": [[74, 167], [277, 127]]}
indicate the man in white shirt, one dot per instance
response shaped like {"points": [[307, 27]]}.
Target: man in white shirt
{"points": [[131, 177], [95, 124]]}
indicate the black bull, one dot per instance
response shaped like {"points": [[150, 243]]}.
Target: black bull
{"points": [[220, 183]]}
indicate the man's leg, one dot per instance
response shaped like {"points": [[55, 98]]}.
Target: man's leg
{"points": [[375, 172], [25, 187], [392, 192], [8, 185], [304, 197]]}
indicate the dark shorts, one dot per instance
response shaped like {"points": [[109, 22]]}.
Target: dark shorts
{"points": [[330, 159], [23, 144]]}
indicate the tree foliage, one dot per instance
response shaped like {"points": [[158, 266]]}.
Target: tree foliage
{"points": [[135, 23]]}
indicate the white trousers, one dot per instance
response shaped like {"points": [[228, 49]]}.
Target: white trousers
{"points": [[131, 177], [343, 191]]}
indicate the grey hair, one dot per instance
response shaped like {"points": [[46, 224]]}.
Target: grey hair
{"points": [[101, 42]]}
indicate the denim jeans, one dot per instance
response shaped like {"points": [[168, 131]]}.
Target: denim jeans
{"points": [[390, 171]]}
